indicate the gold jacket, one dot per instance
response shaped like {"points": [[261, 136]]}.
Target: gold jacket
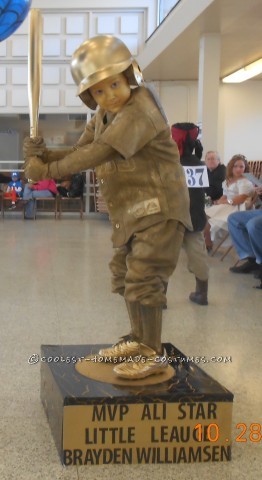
{"points": [[137, 164]]}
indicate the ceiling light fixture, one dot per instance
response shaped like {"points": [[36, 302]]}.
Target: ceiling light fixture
{"points": [[245, 73]]}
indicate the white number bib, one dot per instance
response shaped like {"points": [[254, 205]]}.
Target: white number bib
{"points": [[196, 177]]}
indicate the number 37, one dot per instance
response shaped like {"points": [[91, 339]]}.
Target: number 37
{"points": [[196, 177]]}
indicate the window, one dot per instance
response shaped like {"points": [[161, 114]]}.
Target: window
{"points": [[164, 7]]}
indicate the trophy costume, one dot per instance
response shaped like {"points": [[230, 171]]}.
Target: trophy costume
{"points": [[143, 183]]}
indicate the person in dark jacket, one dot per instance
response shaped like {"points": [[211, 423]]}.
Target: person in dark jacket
{"points": [[216, 175], [73, 187], [185, 135]]}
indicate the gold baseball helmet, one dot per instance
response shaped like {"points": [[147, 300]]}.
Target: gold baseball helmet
{"points": [[99, 58]]}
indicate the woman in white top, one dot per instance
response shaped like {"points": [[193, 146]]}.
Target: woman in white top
{"points": [[236, 190]]}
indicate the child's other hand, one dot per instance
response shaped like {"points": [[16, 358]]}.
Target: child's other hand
{"points": [[35, 169]]}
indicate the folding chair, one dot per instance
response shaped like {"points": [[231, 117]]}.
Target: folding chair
{"points": [[249, 205], [220, 243]]}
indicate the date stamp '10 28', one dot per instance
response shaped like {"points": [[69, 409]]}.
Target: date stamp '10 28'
{"points": [[251, 433]]}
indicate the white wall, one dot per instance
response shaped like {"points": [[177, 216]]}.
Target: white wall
{"points": [[66, 24], [240, 114], [179, 100], [241, 119]]}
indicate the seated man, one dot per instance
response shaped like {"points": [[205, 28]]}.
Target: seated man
{"points": [[216, 175], [245, 229]]}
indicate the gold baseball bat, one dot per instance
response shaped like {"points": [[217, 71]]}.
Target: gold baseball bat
{"points": [[34, 68]]}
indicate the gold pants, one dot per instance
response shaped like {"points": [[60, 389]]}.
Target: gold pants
{"points": [[141, 268], [197, 258]]}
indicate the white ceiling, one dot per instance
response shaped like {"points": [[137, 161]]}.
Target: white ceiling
{"points": [[239, 23]]}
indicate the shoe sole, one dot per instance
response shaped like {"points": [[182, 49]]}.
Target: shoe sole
{"points": [[138, 374]]}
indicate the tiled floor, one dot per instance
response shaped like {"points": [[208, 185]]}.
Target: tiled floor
{"points": [[55, 289]]}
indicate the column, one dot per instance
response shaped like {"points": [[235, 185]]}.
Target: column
{"points": [[208, 89]]}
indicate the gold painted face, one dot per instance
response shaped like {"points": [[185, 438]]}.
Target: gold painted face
{"points": [[112, 93]]}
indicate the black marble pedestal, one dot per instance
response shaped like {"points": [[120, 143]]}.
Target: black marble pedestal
{"points": [[186, 418]]}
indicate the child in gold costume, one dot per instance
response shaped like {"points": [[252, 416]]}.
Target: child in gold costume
{"points": [[128, 142]]}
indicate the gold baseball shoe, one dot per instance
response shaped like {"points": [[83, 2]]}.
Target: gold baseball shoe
{"points": [[121, 350], [141, 367], [127, 351]]}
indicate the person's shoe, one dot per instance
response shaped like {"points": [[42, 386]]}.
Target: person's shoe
{"points": [[259, 276], [13, 207], [248, 266], [258, 272], [200, 295], [143, 366]]}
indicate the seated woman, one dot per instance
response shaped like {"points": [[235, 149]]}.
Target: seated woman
{"points": [[41, 189], [236, 189]]}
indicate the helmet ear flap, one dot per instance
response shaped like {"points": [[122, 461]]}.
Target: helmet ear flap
{"points": [[134, 74], [88, 100]]}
